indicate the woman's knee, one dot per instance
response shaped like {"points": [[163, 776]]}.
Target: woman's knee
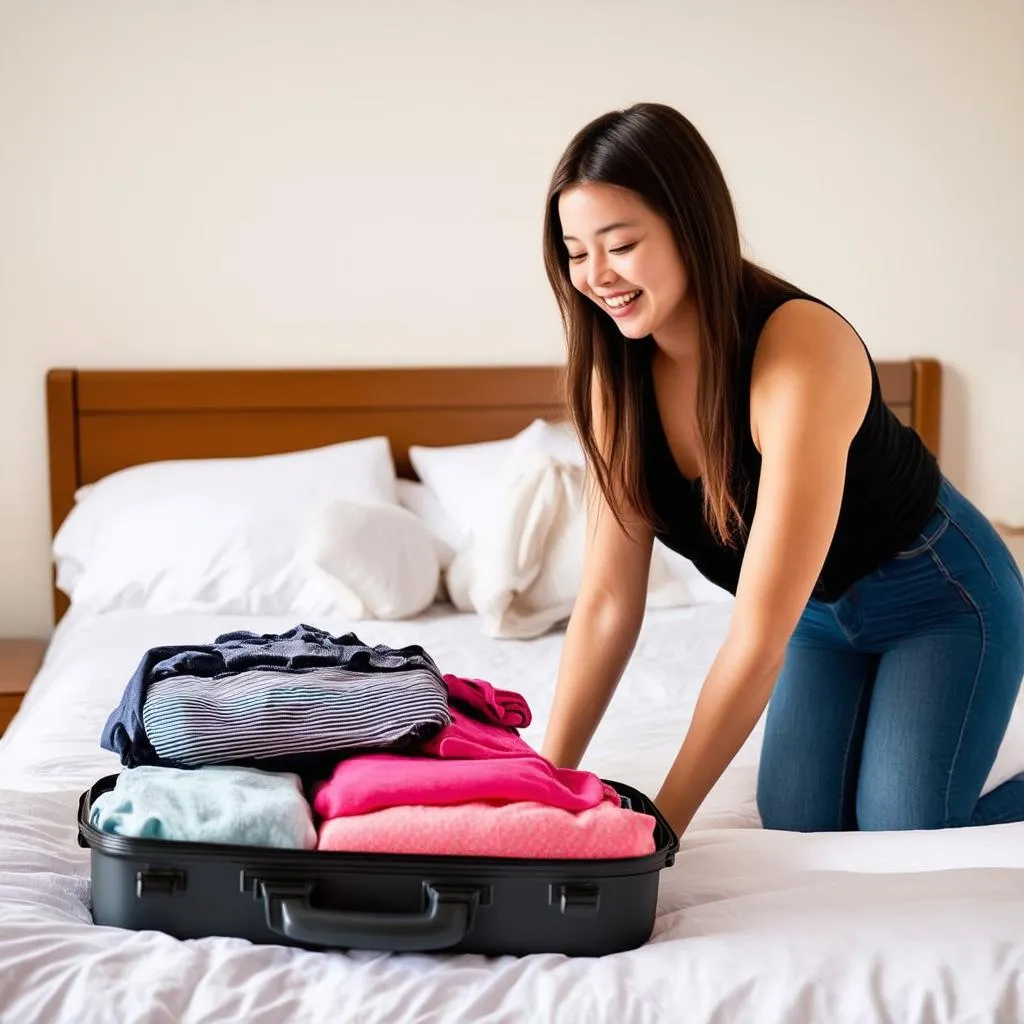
{"points": [[901, 808], [795, 808]]}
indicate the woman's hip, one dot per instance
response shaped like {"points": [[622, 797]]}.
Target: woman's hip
{"points": [[956, 577]]}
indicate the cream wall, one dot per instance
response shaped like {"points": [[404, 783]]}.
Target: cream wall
{"points": [[261, 183]]}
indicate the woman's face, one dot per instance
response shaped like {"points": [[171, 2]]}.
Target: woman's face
{"points": [[622, 256]]}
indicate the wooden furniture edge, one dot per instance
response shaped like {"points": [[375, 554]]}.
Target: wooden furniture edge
{"points": [[927, 402], [62, 429]]}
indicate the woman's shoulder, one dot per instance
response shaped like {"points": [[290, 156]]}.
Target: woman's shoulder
{"points": [[762, 295], [808, 354], [807, 328], [781, 314]]}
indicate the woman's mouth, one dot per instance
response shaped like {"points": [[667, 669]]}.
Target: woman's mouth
{"points": [[621, 305]]}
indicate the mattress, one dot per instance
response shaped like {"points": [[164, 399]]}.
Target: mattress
{"points": [[751, 926]]}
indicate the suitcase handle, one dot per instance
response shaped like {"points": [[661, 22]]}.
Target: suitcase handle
{"points": [[443, 923]]}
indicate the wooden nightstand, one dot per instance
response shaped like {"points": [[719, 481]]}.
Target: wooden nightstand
{"points": [[19, 662]]}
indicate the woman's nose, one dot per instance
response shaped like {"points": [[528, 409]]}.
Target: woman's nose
{"points": [[599, 273]]}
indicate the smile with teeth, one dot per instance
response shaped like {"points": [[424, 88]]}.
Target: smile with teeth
{"points": [[621, 301]]}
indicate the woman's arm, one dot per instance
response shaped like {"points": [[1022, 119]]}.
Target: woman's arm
{"points": [[810, 388], [604, 624]]}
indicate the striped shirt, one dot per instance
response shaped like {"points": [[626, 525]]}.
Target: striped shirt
{"points": [[267, 714], [301, 649]]}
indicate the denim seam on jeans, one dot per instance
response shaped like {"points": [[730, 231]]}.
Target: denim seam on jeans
{"points": [[851, 640], [972, 604], [928, 541], [974, 547]]}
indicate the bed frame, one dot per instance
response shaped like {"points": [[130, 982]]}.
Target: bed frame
{"points": [[103, 420]]}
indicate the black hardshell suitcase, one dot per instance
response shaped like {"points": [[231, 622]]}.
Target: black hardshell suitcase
{"points": [[492, 906]]}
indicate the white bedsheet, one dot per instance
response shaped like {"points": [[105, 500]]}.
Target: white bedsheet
{"points": [[752, 925]]}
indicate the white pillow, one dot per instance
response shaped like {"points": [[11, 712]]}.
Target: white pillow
{"points": [[377, 561], [216, 535], [520, 572], [468, 479], [420, 500], [522, 567], [465, 478]]}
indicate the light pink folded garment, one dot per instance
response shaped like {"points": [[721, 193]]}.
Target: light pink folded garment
{"points": [[484, 830], [500, 707], [371, 782]]}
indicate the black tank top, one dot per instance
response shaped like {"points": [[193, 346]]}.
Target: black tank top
{"points": [[892, 480]]}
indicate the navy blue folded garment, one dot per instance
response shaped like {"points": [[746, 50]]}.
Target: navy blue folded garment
{"points": [[264, 715], [300, 650]]}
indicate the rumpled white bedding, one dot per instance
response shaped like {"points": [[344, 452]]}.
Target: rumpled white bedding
{"points": [[520, 571], [752, 925]]}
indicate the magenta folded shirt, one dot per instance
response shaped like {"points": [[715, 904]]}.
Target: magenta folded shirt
{"points": [[467, 761], [376, 781], [500, 707]]}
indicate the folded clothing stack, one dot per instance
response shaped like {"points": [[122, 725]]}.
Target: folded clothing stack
{"points": [[246, 703], [476, 788], [419, 763]]}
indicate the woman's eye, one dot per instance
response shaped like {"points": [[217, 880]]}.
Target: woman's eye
{"points": [[620, 249], [578, 257]]}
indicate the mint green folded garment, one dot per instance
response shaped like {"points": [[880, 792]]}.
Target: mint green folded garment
{"points": [[239, 806]]}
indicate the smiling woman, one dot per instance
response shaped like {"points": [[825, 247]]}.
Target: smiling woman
{"points": [[741, 421], [609, 266]]}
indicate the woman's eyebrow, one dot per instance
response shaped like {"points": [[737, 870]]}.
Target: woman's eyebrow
{"points": [[604, 230]]}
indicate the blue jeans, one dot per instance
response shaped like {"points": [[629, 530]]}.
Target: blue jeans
{"points": [[893, 701]]}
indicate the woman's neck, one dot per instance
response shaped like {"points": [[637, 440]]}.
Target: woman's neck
{"points": [[679, 337]]}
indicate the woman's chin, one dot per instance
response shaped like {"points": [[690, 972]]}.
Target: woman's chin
{"points": [[635, 331]]}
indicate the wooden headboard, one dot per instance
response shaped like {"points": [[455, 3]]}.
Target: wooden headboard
{"points": [[104, 420]]}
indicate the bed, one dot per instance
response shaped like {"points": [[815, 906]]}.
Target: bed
{"points": [[751, 925]]}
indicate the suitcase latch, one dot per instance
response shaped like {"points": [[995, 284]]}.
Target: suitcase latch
{"points": [[162, 883], [577, 900]]}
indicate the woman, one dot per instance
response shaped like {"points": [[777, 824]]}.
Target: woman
{"points": [[740, 420]]}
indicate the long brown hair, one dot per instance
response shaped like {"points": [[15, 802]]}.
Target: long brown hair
{"points": [[655, 152]]}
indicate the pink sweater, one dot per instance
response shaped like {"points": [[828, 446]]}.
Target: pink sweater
{"points": [[470, 761], [529, 830]]}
